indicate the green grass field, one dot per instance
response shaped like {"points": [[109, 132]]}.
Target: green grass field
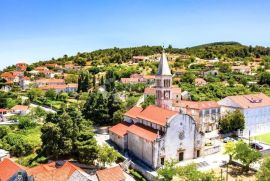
{"points": [[263, 138]]}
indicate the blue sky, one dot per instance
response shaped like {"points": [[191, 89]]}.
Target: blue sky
{"points": [[33, 30]]}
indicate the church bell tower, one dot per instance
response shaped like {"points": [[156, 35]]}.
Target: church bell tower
{"points": [[163, 82]]}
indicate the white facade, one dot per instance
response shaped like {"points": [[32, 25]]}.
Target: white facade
{"points": [[257, 119]]}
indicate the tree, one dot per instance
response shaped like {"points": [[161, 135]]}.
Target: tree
{"points": [[34, 93], [4, 130], [245, 154], [264, 78], [189, 172], [188, 77], [101, 108], [107, 155], [224, 68], [68, 135], [86, 146], [168, 171], [110, 81], [50, 94], [84, 81], [264, 173], [232, 121], [150, 100], [230, 150]]}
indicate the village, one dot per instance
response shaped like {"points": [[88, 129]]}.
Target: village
{"points": [[164, 114]]}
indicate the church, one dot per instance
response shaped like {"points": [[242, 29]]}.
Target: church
{"points": [[158, 132]]}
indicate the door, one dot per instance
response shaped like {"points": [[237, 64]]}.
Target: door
{"points": [[198, 153], [181, 156]]}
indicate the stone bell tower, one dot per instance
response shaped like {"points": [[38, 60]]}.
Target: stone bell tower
{"points": [[163, 82]]}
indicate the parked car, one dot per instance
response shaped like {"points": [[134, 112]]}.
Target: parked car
{"points": [[256, 146], [228, 139]]}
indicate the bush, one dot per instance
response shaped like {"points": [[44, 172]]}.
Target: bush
{"points": [[137, 175]]}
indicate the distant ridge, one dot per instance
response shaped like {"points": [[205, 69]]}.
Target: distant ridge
{"points": [[218, 43]]}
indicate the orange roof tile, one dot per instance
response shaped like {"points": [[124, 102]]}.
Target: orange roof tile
{"points": [[45, 171], [156, 115], [133, 112], [150, 90], [58, 87], [149, 76], [120, 129], [8, 168], [20, 107], [143, 132], [251, 100], [198, 105], [111, 174]]}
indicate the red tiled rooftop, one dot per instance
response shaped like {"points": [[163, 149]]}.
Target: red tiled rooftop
{"points": [[45, 171], [120, 129], [20, 107], [198, 105], [8, 168], [111, 174], [156, 115], [133, 112], [143, 132]]}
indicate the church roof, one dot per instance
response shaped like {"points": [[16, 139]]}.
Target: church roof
{"points": [[156, 115], [143, 132], [120, 129], [133, 112], [163, 67]]}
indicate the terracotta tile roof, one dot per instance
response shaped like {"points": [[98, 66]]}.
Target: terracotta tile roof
{"points": [[45, 171], [40, 68], [241, 67], [8, 168], [251, 100], [156, 115], [3, 110], [129, 80], [111, 174], [133, 112], [72, 85], [120, 129], [176, 90], [8, 75], [20, 107], [50, 81], [149, 76], [150, 90], [198, 105], [143, 132], [139, 57], [56, 87], [200, 81]]}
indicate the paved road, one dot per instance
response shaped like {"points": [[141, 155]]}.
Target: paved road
{"points": [[42, 107]]}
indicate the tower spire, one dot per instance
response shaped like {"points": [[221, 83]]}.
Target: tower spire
{"points": [[163, 67], [164, 83]]}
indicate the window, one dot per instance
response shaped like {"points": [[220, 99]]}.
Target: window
{"points": [[159, 94], [158, 83], [167, 83]]}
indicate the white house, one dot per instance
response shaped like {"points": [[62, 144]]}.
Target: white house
{"points": [[20, 109], [255, 108]]}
